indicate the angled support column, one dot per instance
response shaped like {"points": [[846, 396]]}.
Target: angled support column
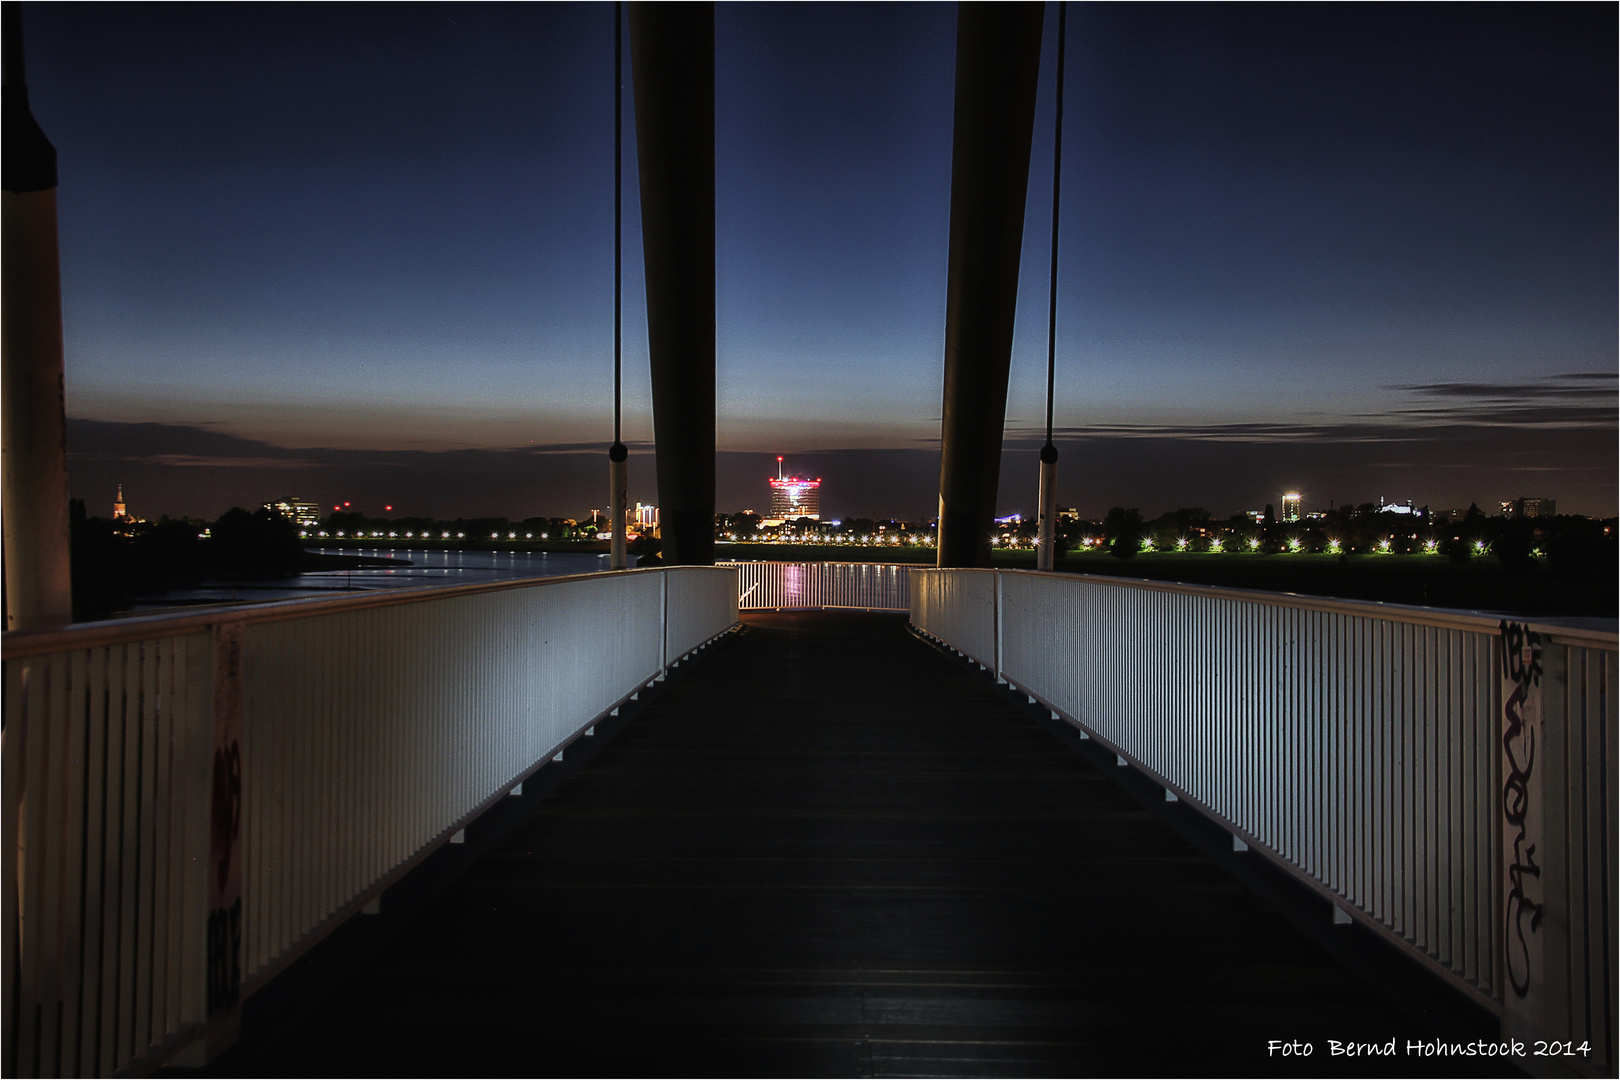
{"points": [[672, 57], [33, 432], [998, 52]]}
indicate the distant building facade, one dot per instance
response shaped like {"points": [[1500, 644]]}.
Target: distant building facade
{"points": [[793, 497], [1529, 506], [1290, 506], [123, 520], [1396, 508], [306, 515]]}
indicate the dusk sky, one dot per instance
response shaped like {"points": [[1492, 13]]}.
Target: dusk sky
{"points": [[365, 253]]}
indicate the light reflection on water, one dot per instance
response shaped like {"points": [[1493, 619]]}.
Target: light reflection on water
{"points": [[418, 568]]}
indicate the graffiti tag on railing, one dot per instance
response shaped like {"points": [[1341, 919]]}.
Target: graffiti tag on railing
{"points": [[1521, 804], [225, 840], [225, 958], [225, 810]]}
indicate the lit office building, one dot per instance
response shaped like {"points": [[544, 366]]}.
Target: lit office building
{"points": [[303, 514], [1528, 506], [793, 497], [1290, 509]]}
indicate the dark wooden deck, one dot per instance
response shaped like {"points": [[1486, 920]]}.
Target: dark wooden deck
{"points": [[829, 849]]}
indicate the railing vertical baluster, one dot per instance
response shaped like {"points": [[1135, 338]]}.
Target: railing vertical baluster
{"points": [[26, 743], [73, 719], [111, 866], [145, 781], [94, 854], [13, 1022], [129, 859], [51, 863], [163, 862]]}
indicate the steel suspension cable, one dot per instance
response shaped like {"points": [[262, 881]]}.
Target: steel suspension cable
{"points": [[618, 214], [1057, 179], [618, 454], [1046, 543]]}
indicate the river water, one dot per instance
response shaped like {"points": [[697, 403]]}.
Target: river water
{"points": [[418, 568]]}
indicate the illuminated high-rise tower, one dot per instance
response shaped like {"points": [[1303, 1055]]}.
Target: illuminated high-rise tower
{"points": [[793, 497], [119, 510], [1290, 508]]}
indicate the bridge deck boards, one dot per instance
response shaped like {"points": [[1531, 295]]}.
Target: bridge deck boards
{"points": [[827, 849]]}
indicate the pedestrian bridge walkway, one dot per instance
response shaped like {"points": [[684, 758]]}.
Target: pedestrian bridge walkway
{"points": [[831, 848], [1038, 822]]}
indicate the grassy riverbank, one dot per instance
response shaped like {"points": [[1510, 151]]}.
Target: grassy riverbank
{"points": [[1482, 584]]}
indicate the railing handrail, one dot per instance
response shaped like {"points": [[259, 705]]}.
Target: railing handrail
{"points": [[1446, 618], [17, 644], [21, 643]]}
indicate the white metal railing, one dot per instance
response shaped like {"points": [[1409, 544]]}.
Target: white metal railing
{"points": [[765, 586], [694, 607], [191, 801], [1360, 746]]}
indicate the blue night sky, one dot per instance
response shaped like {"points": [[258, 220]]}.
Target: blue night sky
{"points": [[365, 252]]}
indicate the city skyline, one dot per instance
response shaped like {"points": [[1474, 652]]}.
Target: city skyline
{"points": [[1292, 506], [1299, 250]]}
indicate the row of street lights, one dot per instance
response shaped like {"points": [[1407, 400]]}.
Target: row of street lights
{"points": [[1004, 540]]}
